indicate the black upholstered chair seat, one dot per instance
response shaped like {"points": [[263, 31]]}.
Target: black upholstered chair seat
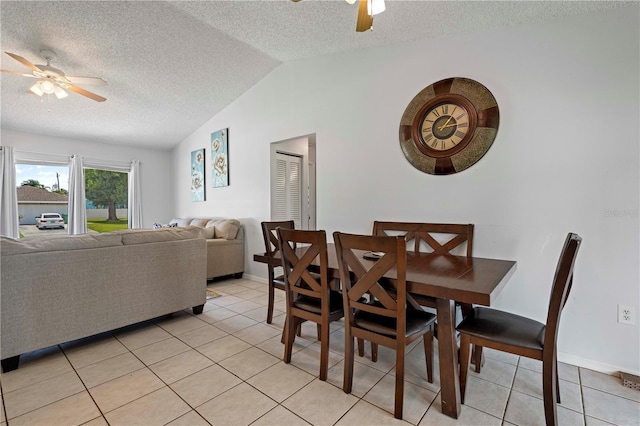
{"points": [[312, 304], [278, 282], [504, 327], [417, 322]]}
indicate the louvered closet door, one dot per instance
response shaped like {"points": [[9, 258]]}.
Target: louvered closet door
{"points": [[288, 189]]}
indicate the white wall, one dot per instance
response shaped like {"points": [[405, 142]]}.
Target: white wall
{"points": [[566, 158], [155, 172]]}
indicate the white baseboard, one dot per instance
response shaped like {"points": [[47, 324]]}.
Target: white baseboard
{"points": [[255, 278], [593, 365]]}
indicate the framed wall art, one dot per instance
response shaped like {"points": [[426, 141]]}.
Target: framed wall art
{"points": [[197, 175], [219, 158]]}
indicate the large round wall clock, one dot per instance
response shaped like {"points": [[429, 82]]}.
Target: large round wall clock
{"points": [[449, 126]]}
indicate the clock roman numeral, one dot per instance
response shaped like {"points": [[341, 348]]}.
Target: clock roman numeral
{"points": [[460, 116], [460, 134], [463, 124], [436, 113], [445, 109]]}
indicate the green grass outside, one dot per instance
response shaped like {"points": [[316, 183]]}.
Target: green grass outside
{"points": [[101, 225]]}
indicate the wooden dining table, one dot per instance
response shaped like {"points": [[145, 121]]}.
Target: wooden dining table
{"points": [[448, 279]]}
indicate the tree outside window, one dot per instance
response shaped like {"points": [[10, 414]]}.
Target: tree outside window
{"points": [[106, 189]]}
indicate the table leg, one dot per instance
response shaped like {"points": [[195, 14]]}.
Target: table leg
{"points": [[448, 354]]}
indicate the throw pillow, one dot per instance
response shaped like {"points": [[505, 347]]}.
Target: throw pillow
{"points": [[199, 222], [227, 229], [181, 222], [166, 225], [207, 233]]}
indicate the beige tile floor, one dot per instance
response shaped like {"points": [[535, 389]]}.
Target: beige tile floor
{"points": [[225, 367]]}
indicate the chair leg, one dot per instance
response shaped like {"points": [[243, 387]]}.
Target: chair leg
{"points": [[324, 350], [465, 354], [319, 328], [360, 347], [284, 331], [290, 328], [399, 403], [347, 381], [374, 352], [557, 383], [478, 360], [428, 352], [549, 391], [271, 302]]}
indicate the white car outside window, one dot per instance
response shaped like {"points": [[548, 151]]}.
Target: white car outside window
{"points": [[49, 220]]}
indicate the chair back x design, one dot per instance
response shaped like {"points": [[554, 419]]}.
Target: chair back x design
{"points": [[415, 233], [384, 316], [271, 249], [309, 297]]}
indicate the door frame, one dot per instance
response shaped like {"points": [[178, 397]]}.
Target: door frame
{"points": [[304, 146]]}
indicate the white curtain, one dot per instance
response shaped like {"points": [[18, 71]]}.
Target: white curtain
{"points": [[9, 221], [77, 208], [135, 204]]}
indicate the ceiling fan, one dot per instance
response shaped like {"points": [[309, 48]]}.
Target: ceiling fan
{"points": [[53, 81], [366, 10]]}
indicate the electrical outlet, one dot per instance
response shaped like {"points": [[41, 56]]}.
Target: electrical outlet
{"points": [[626, 314]]}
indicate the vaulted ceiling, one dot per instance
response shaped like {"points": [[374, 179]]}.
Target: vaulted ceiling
{"points": [[172, 65]]}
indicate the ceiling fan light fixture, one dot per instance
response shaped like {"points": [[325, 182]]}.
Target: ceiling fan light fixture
{"points": [[351, 1], [60, 93], [35, 89], [47, 87], [375, 7]]}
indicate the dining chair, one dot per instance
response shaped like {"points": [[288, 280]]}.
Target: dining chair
{"points": [[271, 248], [523, 336], [309, 297], [385, 317], [438, 238]]}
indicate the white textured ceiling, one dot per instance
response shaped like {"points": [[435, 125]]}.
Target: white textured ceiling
{"points": [[173, 65]]}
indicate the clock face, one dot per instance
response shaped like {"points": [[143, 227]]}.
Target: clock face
{"points": [[444, 126], [448, 126]]}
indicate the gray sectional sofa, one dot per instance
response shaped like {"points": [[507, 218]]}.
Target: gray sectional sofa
{"points": [[65, 287], [225, 244]]}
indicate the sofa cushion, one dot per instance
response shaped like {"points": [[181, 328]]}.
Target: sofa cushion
{"points": [[143, 236], [207, 233], [199, 222], [227, 229], [182, 222], [11, 246]]}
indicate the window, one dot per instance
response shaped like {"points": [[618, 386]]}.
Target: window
{"points": [[41, 189], [106, 193], [109, 190]]}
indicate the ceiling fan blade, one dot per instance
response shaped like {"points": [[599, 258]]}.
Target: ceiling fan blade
{"points": [[86, 93], [24, 62], [19, 73], [365, 21], [95, 81]]}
